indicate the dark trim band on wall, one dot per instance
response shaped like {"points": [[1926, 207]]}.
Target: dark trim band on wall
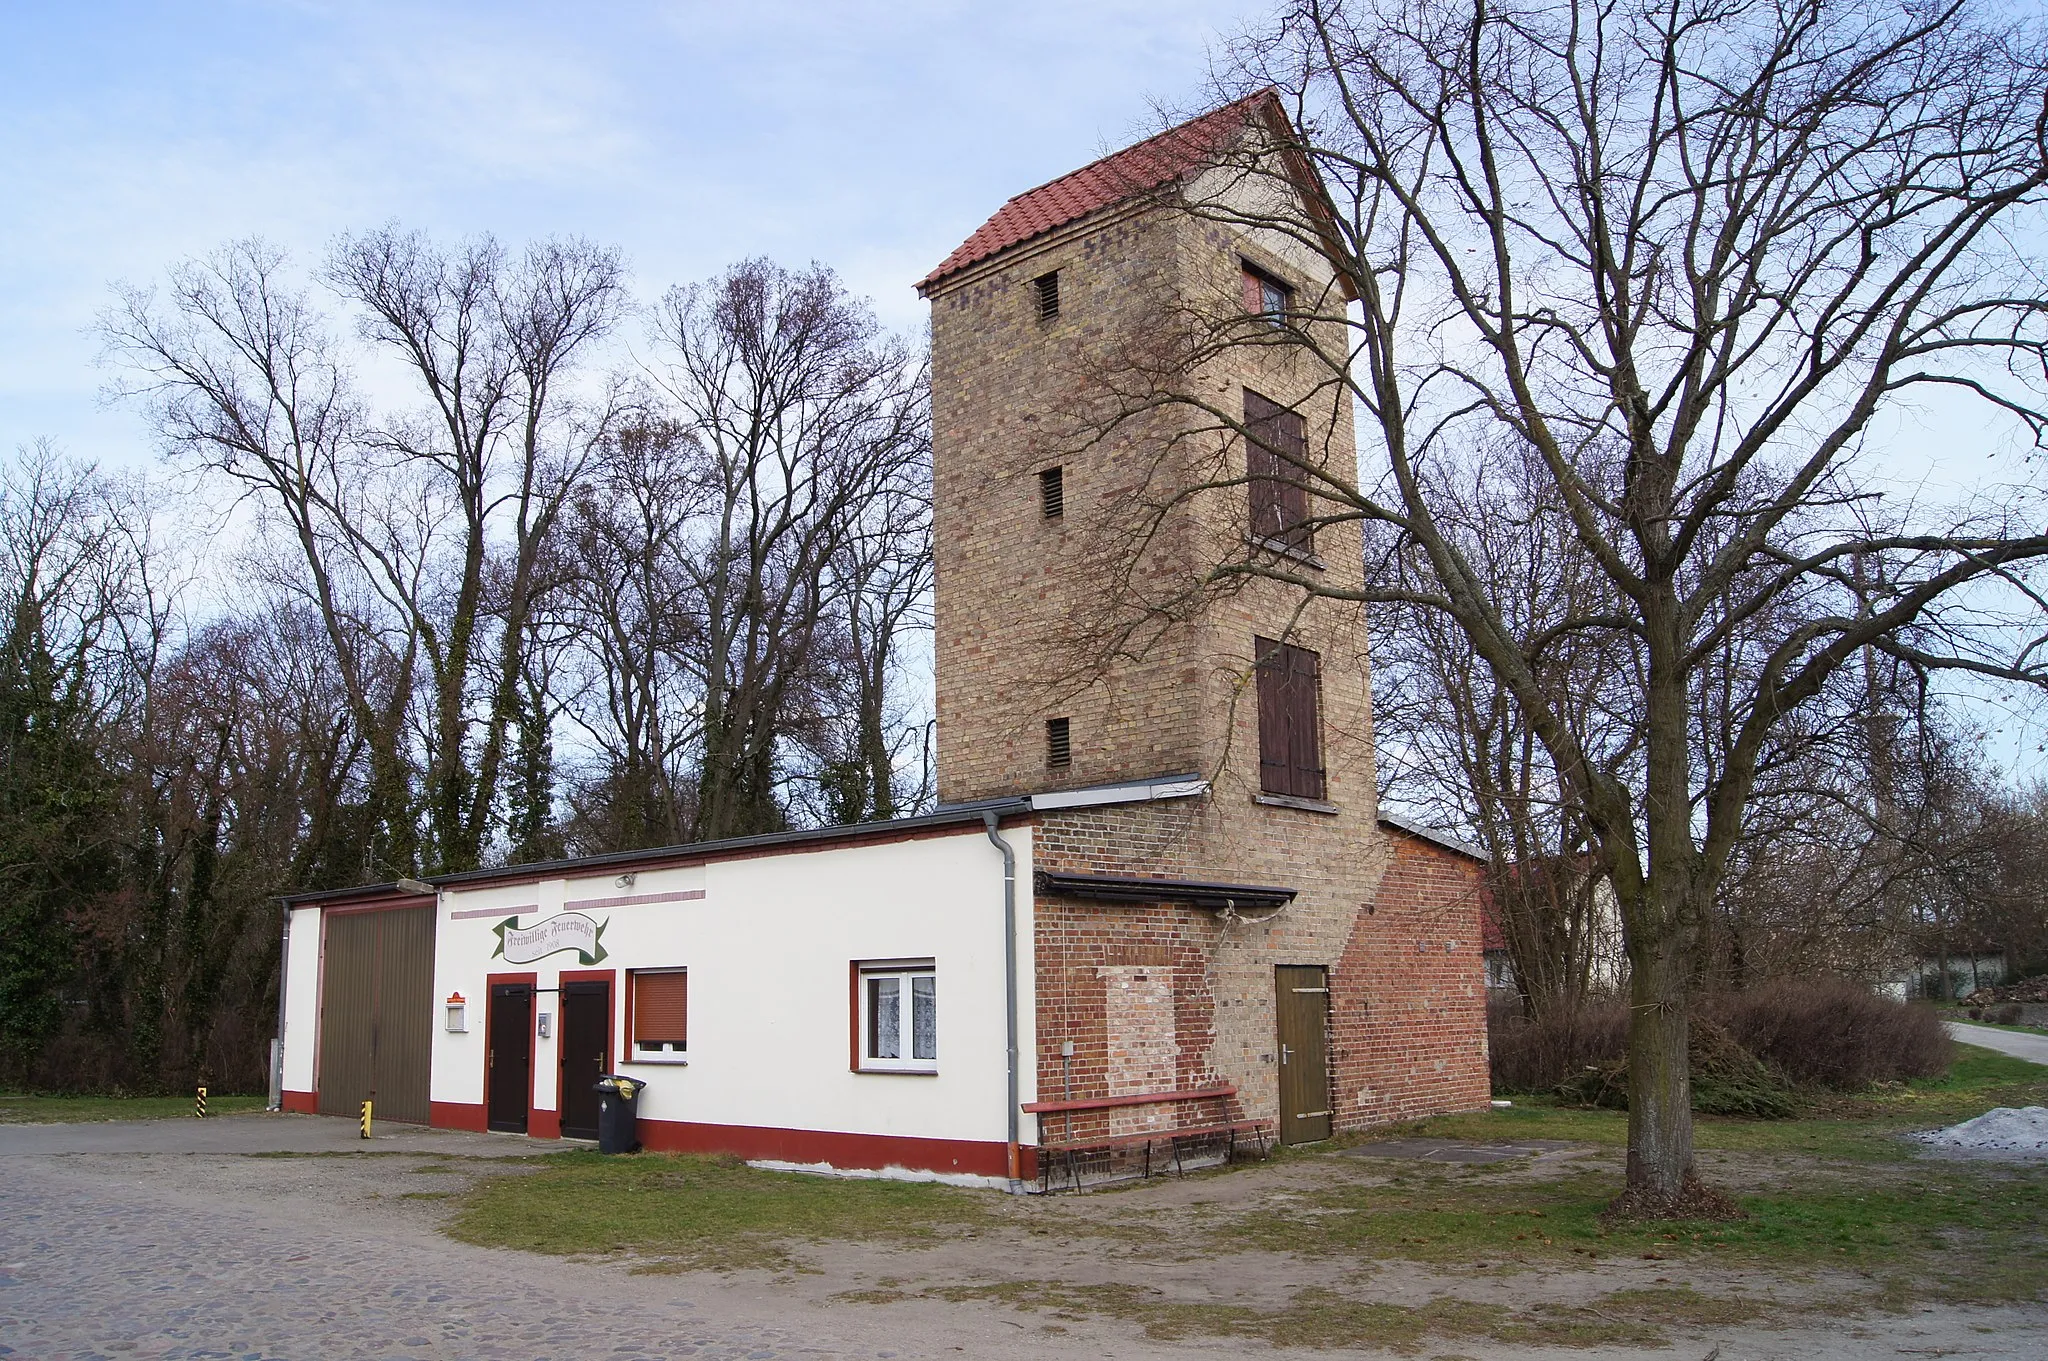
{"points": [[1128, 888]]}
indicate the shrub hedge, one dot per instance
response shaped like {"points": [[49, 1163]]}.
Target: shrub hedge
{"points": [[1808, 1033]]}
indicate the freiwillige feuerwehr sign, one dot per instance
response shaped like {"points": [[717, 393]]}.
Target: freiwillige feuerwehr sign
{"points": [[570, 931]]}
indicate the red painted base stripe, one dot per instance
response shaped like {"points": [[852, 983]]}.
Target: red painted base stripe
{"points": [[855, 1152], [301, 1103], [457, 1115], [544, 1124]]}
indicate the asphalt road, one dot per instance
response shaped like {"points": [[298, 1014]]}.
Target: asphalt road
{"points": [[2033, 1048]]}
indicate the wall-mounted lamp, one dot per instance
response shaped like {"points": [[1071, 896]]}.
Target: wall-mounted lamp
{"points": [[543, 1025], [457, 1022], [627, 880], [419, 886]]}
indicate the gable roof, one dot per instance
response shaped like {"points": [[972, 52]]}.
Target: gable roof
{"points": [[1434, 836], [1116, 178]]}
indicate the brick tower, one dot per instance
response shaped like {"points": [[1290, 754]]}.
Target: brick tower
{"points": [[1252, 710]]}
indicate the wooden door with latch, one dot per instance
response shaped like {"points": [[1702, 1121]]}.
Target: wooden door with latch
{"points": [[1304, 1015], [508, 1062], [585, 1049]]}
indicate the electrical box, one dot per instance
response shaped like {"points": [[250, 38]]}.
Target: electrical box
{"points": [[457, 1022]]}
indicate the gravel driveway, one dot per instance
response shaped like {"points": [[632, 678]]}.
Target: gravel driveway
{"points": [[169, 1240]]}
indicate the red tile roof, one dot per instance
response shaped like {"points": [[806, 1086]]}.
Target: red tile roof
{"points": [[1123, 175]]}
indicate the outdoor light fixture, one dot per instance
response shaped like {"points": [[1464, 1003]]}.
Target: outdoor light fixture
{"points": [[458, 1023], [414, 886], [543, 1025]]}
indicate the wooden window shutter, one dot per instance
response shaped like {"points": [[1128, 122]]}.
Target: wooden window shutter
{"points": [[1290, 720], [1276, 450], [1304, 721], [1275, 767], [1262, 465], [661, 1008]]}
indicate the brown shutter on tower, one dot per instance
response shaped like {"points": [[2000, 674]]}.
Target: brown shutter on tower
{"points": [[1275, 776], [1305, 728], [661, 1008], [1290, 721], [1276, 454]]}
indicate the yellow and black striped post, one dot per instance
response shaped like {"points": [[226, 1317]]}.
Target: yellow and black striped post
{"points": [[366, 1119], [199, 1105]]}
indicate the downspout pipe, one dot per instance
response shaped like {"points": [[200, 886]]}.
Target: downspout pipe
{"points": [[988, 819], [284, 956]]}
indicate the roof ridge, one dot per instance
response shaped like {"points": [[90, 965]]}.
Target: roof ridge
{"points": [[1087, 189], [1140, 143]]}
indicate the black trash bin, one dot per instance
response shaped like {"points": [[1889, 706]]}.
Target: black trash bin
{"points": [[618, 1113]]}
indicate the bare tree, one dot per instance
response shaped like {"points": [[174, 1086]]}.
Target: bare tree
{"points": [[1456, 744], [420, 538], [880, 581], [494, 342], [1683, 257], [627, 624], [801, 411], [241, 377]]}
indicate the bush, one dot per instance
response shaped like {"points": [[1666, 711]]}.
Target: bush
{"points": [[1535, 1056], [1832, 1033], [1822, 1033], [1726, 1079]]}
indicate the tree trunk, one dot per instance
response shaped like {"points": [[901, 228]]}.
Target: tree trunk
{"points": [[1659, 1074]]}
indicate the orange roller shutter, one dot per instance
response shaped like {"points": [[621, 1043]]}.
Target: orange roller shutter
{"points": [[661, 1008]]}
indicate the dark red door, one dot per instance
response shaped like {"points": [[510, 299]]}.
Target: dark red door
{"points": [[586, 1053], [508, 1065]]}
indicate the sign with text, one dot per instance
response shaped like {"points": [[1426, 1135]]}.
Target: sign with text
{"points": [[570, 931]]}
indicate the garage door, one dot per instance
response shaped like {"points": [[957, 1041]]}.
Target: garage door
{"points": [[377, 1012]]}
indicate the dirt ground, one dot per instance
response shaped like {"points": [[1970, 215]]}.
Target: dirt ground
{"points": [[1108, 1273]]}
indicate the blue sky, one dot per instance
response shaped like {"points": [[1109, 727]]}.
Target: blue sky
{"points": [[873, 137]]}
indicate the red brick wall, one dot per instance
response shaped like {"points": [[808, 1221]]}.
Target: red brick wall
{"points": [[1408, 998], [1407, 1024]]}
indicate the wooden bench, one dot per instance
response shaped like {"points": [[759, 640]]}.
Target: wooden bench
{"points": [[1174, 1136]]}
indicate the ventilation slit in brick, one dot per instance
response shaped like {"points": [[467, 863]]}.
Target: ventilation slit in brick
{"points": [[1048, 286], [1052, 492], [1059, 750]]}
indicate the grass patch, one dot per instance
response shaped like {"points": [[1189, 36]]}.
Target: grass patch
{"points": [[699, 1212], [1939, 1217], [1838, 1188], [1862, 1126], [1323, 1319], [23, 1108]]}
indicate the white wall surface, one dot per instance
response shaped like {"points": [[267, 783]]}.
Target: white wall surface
{"points": [[302, 999], [768, 949]]}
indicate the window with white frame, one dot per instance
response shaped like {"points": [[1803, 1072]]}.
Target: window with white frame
{"points": [[659, 1015], [899, 1016]]}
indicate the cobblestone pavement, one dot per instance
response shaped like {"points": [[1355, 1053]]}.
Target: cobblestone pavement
{"points": [[90, 1272]]}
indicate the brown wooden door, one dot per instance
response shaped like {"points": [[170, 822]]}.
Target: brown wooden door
{"points": [[508, 1062], [585, 1053], [377, 1013], [1304, 1011]]}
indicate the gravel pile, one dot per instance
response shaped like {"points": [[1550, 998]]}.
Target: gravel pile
{"points": [[2007, 1131]]}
